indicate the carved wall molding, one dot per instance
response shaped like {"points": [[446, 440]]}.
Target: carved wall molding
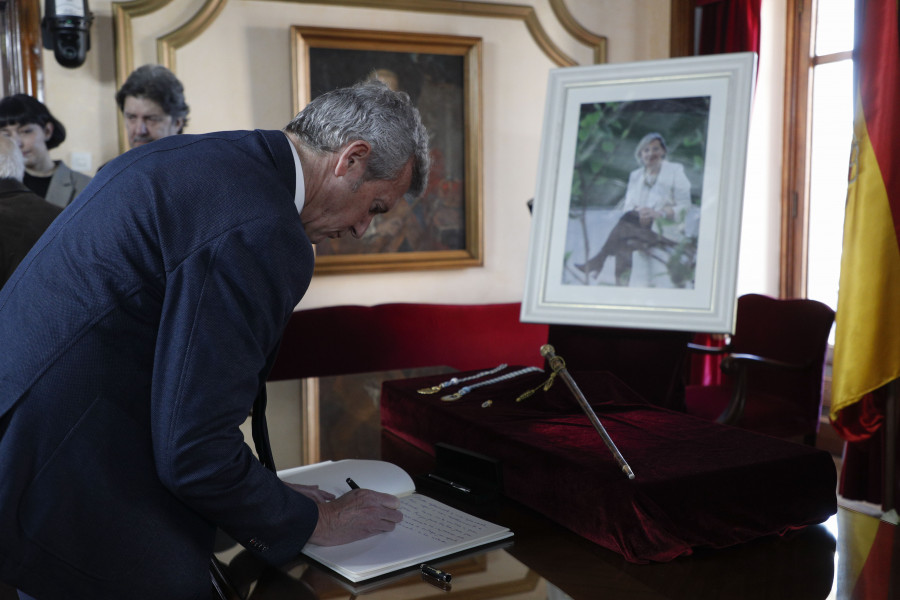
{"points": [[202, 19], [519, 12], [596, 42], [124, 12], [169, 43]]}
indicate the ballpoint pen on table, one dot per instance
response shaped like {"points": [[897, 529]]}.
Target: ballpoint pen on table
{"points": [[353, 485], [435, 572], [452, 484]]}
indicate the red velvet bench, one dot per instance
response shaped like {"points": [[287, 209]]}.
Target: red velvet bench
{"points": [[698, 484]]}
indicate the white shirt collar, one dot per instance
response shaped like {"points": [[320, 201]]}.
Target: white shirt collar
{"points": [[299, 191]]}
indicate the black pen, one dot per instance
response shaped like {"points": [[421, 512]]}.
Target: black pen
{"points": [[352, 484], [435, 572], [452, 484]]}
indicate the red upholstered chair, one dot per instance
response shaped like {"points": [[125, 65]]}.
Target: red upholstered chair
{"points": [[774, 365]]}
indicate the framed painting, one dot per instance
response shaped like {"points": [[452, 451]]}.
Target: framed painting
{"points": [[637, 210], [441, 74]]}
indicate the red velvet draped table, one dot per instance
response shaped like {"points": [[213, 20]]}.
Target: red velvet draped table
{"points": [[698, 484]]}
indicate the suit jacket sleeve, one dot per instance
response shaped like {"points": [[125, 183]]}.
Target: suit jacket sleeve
{"points": [[225, 307]]}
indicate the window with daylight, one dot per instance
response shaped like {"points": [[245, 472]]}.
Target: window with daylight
{"points": [[818, 136]]}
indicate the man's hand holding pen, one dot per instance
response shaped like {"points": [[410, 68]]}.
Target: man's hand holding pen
{"points": [[355, 515]]}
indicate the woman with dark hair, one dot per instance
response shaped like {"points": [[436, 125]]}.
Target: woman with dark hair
{"points": [[28, 122]]}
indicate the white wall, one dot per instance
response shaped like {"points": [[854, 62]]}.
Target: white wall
{"points": [[237, 75]]}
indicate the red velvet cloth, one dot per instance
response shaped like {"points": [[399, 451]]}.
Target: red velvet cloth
{"points": [[698, 484], [337, 340]]}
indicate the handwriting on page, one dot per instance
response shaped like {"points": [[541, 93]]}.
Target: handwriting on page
{"points": [[434, 521]]}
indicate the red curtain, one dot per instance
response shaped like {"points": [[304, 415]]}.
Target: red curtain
{"points": [[704, 368], [728, 26]]}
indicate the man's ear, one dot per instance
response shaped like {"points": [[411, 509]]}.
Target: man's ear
{"points": [[179, 124], [48, 130], [353, 157]]}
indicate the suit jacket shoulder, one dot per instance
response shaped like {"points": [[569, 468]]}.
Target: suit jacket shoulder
{"points": [[65, 185]]}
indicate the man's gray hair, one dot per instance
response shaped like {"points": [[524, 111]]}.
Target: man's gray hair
{"points": [[372, 112], [12, 163]]}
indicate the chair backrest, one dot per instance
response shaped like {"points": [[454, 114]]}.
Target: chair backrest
{"points": [[337, 340], [794, 331]]}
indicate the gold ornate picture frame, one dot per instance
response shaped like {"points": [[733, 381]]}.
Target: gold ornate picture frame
{"points": [[442, 75]]}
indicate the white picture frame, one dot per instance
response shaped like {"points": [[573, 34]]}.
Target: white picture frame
{"points": [[614, 244]]}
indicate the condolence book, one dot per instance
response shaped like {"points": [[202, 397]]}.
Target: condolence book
{"points": [[429, 530]]}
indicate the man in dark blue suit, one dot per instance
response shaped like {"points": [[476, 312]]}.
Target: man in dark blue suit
{"points": [[137, 332]]}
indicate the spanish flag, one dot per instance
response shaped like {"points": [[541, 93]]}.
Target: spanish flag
{"points": [[867, 335]]}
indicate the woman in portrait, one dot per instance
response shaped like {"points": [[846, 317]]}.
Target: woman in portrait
{"points": [[29, 123], [656, 200]]}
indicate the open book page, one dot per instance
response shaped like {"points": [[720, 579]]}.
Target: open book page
{"points": [[430, 529], [331, 476]]}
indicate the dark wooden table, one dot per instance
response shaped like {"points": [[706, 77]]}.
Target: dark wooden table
{"points": [[850, 552], [545, 560]]}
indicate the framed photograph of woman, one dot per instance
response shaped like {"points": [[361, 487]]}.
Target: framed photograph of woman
{"points": [[441, 74], [639, 194]]}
